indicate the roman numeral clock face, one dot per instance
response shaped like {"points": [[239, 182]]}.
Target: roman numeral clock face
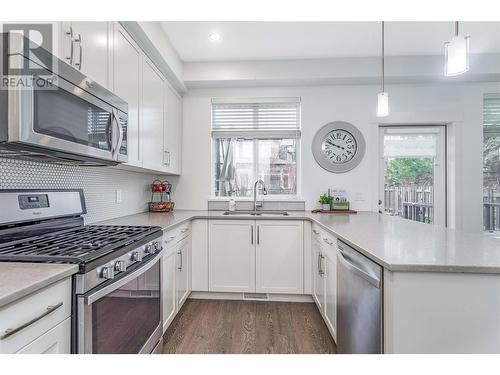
{"points": [[338, 147]]}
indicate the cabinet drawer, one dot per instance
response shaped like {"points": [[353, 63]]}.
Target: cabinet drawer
{"points": [[34, 315], [316, 232], [326, 239], [175, 235], [55, 341]]}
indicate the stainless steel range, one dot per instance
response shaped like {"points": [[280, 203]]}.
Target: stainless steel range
{"points": [[117, 296]]}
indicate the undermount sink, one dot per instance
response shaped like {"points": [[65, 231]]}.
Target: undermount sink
{"points": [[257, 213]]}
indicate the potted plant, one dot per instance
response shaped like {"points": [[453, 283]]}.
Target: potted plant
{"points": [[326, 202]]}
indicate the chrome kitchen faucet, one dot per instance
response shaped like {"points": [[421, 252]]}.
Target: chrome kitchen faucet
{"points": [[264, 191]]}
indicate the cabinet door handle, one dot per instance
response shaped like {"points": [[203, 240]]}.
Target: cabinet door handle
{"points": [[180, 253], [251, 234], [167, 158], [79, 41], [12, 331], [315, 231], [169, 239], [258, 234], [320, 265], [69, 33]]}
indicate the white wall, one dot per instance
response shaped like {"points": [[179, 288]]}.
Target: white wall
{"points": [[460, 105]]}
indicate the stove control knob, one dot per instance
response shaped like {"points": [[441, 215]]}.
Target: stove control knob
{"points": [[149, 249], [157, 246], [136, 256], [120, 266], [107, 272]]}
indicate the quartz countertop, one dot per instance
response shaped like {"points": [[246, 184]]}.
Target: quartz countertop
{"points": [[18, 280], [394, 243]]}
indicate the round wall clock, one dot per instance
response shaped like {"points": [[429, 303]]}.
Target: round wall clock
{"points": [[338, 146]]}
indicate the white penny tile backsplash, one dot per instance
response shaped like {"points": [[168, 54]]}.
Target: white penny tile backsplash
{"points": [[98, 183]]}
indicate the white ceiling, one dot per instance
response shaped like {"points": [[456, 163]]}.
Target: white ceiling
{"points": [[315, 40]]}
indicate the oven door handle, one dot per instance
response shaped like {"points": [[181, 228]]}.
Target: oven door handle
{"points": [[91, 298]]}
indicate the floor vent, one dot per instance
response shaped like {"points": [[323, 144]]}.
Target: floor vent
{"points": [[256, 296]]}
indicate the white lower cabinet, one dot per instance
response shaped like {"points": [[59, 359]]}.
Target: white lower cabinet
{"points": [[182, 276], [330, 276], [168, 286], [175, 271], [231, 256], [38, 323], [318, 280], [279, 257], [55, 341], [263, 256], [324, 275]]}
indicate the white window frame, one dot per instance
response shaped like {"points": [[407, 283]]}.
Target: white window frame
{"points": [[285, 197]]}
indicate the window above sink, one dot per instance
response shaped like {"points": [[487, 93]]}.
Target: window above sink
{"points": [[252, 139]]}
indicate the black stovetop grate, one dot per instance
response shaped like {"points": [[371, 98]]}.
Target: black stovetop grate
{"points": [[76, 245]]}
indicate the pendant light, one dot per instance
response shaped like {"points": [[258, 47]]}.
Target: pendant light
{"points": [[457, 54], [383, 97]]}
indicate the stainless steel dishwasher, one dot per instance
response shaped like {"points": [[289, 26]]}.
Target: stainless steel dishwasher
{"points": [[359, 303]]}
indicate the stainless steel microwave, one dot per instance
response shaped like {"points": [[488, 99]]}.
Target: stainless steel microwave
{"points": [[63, 115]]}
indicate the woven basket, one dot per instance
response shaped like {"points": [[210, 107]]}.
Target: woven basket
{"points": [[161, 206]]}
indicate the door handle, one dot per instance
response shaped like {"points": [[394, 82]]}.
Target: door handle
{"points": [[116, 139], [349, 263], [321, 271], [251, 234], [12, 331], [79, 41], [180, 253], [258, 234], [328, 242], [167, 161], [69, 33]]}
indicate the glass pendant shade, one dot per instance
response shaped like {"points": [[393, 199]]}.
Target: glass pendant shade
{"points": [[382, 104], [457, 55]]}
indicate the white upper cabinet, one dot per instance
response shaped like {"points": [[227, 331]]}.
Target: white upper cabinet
{"points": [[173, 130], [127, 85], [87, 46], [279, 257], [107, 54], [152, 117]]}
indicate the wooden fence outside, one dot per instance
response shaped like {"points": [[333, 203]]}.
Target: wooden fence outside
{"points": [[413, 202]]}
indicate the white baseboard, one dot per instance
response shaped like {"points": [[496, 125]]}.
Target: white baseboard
{"points": [[239, 296]]}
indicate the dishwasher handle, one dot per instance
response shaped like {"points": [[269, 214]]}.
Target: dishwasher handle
{"points": [[357, 268]]}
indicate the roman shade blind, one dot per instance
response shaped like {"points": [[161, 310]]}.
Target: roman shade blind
{"points": [[491, 115], [256, 118]]}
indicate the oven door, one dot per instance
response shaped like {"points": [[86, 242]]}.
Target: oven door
{"points": [[123, 317], [68, 119]]}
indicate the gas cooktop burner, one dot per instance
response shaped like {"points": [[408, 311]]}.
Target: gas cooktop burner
{"points": [[76, 245]]}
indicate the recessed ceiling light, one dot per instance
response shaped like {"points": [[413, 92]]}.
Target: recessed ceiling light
{"points": [[215, 37]]}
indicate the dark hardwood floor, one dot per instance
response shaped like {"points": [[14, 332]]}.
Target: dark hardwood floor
{"points": [[252, 327]]}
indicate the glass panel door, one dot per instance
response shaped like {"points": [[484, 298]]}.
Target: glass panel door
{"points": [[413, 173]]}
